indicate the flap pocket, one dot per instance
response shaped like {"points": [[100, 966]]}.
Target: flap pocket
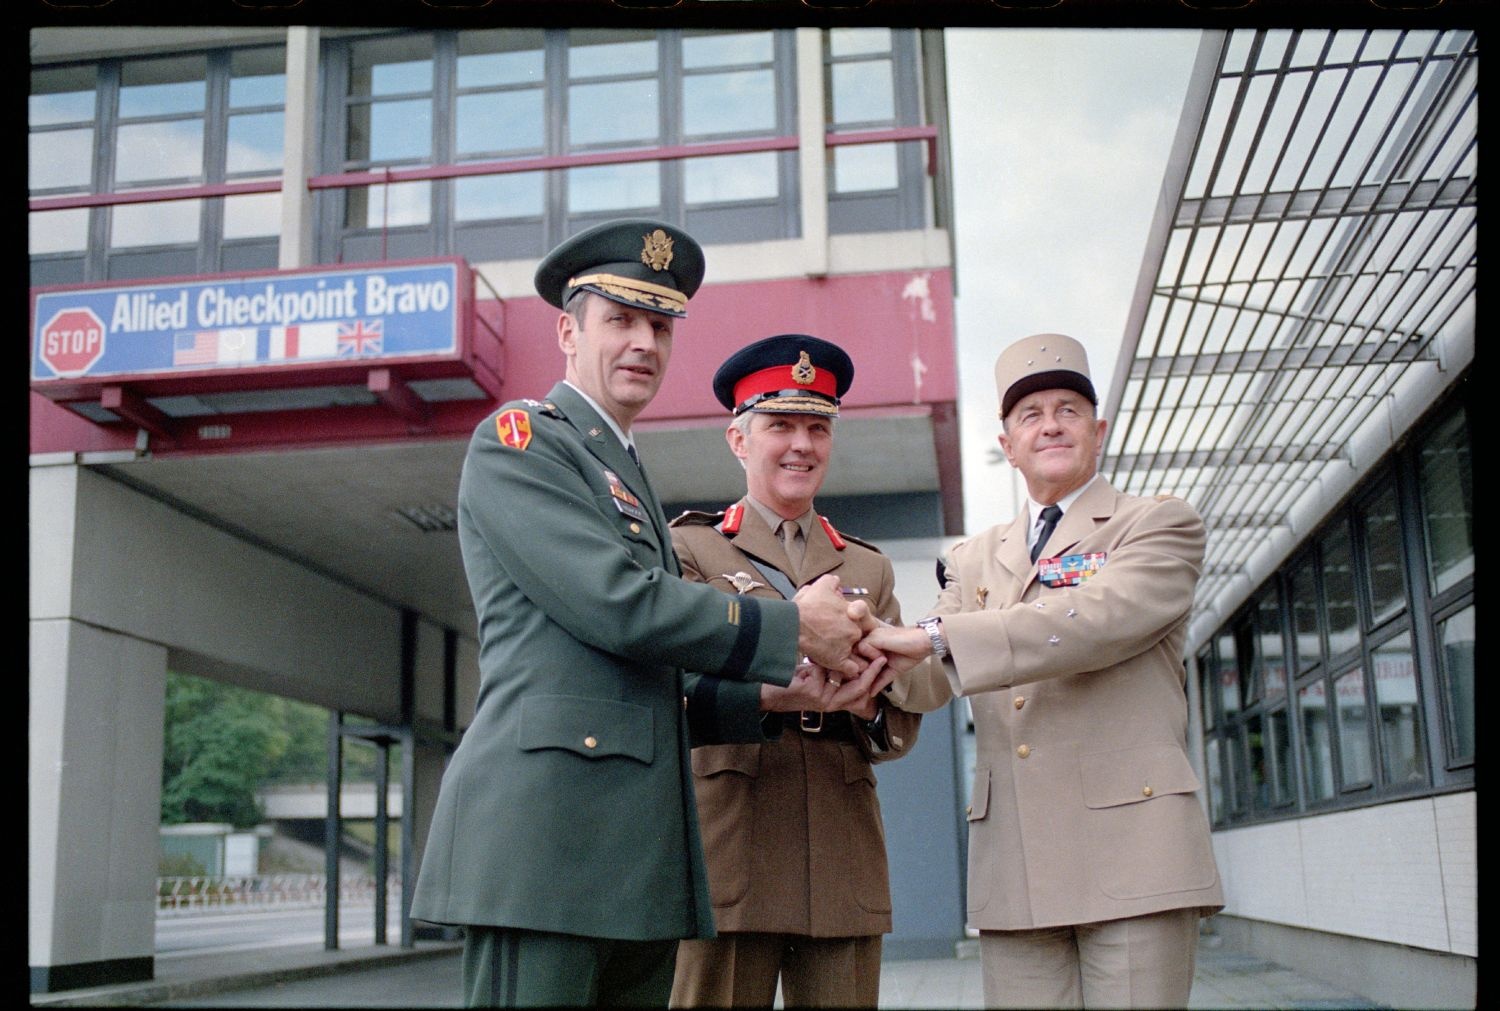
{"points": [[979, 795], [1133, 775], [593, 728], [712, 759], [856, 765]]}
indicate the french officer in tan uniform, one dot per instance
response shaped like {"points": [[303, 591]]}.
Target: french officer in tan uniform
{"points": [[1089, 855], [791, 827]]}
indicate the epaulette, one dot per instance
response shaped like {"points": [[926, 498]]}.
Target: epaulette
{"points": [[1164, 496], [860, 541], [692, 518], [546, 407]]}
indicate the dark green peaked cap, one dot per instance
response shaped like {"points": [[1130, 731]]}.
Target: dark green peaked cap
{"points": [[637, 261]]}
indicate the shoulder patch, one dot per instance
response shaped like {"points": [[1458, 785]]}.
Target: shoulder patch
{"points": [[513, 427], [692, 518]]}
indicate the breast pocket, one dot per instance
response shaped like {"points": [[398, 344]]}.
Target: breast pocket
{"points": [[637, 531], [592, 728]]}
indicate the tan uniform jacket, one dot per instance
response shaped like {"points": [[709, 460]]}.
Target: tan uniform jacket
{"points": [[791, 828], [1084, 805]]}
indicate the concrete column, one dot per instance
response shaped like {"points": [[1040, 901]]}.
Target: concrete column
{"points": [[812, 153], [300, 158], [96, 709]]}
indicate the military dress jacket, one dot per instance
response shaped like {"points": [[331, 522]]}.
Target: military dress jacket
{"points": [[791, 826], [1084, 805], [568, 804]]}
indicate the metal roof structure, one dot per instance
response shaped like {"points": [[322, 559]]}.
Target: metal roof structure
{"points": [[1308, 286]]}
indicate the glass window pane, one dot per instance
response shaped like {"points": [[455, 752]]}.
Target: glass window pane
{"points": [[58, 231], [61, 95], [613, 113], [1303, 586], [1338, 590], [499, 121], [163, 87], [389, 206], [864, 168], [1229, 675], [401, 130], [595, 52], [257, 77], [397, 65], [500, 56], [171, 150], [252, 215], [1387, 576], [855, 41], [1354, 728], [863, 92], [742, 101], [1317, 744], [1272, 652], [609, 187], [714, 49], [1215, 772], [60, 158], [514, 195], [1447, 503], [1402, 757], [1456, 665], [255, 143], [730, 177], [171, 222], [1279, 751], [1259, 785], [1208, 684], [1245, 644]]}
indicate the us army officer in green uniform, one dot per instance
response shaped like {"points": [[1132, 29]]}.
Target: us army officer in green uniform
{"points": [[565, 837]]}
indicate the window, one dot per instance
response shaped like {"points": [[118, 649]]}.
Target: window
{"points": [[1336, 698], [184, 120]]}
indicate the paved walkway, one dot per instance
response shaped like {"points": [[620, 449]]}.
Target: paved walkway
{"points": [[428, 976]]}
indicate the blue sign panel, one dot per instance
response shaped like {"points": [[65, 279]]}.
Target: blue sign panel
{"points": [[278, 319]]}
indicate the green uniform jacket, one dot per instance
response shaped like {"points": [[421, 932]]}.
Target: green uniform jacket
{"points": [[568, 805]]}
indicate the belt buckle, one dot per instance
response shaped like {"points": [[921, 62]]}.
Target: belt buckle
{"points": [[809, 727]]}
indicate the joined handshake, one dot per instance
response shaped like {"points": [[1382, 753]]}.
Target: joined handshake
{"points": [[849, 655]]}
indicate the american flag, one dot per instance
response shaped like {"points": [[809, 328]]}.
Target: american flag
{"points": [[200, 348], [361, 338]]}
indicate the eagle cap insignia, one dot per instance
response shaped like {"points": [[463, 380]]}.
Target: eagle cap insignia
{"points": [[657, 252], [804, 372]]}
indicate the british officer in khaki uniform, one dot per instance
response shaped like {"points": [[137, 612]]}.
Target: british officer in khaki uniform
{"points": [[791, 827], [565, 837], [1089, 855]]}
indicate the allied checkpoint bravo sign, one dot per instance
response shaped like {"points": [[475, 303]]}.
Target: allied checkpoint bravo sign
{"points": [[375, 314]]}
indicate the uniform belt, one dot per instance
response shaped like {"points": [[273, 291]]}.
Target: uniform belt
{"points": [[835, 726]]}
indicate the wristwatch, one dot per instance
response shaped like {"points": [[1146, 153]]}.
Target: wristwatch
{"points": [[934, 629]]}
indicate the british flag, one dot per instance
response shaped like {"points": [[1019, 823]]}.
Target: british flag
{"points": [[360, 338]]}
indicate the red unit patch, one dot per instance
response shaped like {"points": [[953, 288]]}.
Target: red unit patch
{"points": [[514, 429]]}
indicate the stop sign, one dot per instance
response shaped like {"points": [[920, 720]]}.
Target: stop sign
{"points": [[72, 341]]}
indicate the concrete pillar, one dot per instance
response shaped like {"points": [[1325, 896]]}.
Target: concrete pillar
{"points": [[812, 152], [96, 709], [300, 139]]}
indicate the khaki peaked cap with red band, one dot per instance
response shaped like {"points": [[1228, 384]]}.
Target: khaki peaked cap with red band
{"points": [[641, 262], [790, 373]]}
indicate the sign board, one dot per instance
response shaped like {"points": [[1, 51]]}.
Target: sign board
{"points": [[371, 315]]}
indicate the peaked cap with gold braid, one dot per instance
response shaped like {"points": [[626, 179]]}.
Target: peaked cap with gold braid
{"points": [[636, 261], [790, 373]]}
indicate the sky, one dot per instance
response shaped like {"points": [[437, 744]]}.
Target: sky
{"points": [[1060, 138]]}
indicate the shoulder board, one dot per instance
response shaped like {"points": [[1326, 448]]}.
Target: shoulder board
{"points": [[861, 542], [733, 517], [691, 518], [1164, 498]]}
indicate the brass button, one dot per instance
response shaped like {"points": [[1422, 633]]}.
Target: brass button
{"points": [[969, 809], [1024, 750], [1146, 792], [635, 528], [1020, 701], [591, 741]]}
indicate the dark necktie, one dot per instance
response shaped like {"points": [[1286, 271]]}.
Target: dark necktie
{"points": [[634, 458], [1050, 515]]}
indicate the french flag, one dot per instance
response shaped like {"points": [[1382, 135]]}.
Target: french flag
{"points": [[308, 340]]}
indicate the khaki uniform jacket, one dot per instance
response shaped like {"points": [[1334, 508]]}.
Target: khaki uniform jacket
{"points": [[568, 804], [791, 827], [1084, 805]]}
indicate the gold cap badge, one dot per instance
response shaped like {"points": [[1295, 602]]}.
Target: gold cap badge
{"points": [[657, 252], [804, 372]]}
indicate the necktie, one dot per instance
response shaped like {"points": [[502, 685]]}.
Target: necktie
{"points": [[788, 532], [634, 458], [1050, 515]]}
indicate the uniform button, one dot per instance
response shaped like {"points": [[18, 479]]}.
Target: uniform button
{"points": [[635, 528], [1024, 750], [1020, 701], [969, 809], [591, 741], [1146, 792]]}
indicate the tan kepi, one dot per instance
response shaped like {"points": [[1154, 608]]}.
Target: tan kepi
{"points": [[1044, 361]]}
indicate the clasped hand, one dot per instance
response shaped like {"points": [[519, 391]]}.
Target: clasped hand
{"points": [[842, 668]]}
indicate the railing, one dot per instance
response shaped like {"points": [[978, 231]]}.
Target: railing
{"points": [[241, 893]]}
